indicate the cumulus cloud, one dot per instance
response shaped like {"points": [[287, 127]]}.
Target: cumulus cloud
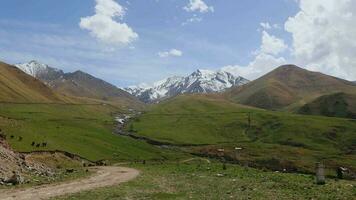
{"points": [[172, 52], [262, 64], [105, 25], [265, 60], [324, 36], [271, 44], [198, 6]]}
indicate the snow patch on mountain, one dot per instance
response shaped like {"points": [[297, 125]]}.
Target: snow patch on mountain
{"points": [[200, 81], [41, 71], [36, 69]]}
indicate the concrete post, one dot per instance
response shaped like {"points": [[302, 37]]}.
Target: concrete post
{"points": [[320, 173]]}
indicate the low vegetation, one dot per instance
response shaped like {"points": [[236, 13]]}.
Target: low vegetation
{"points": [[333, 105], [276, 140], [84, 130], [200, 180]]}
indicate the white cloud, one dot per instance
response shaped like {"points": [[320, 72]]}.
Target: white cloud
{"points": [[271, 44], [172, 52], [198, 6], [262, 64], [265, 25], [264, 61], [268, 26], [324, 36], [104, 25]]}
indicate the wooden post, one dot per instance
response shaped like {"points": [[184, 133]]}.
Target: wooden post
{"points": [[237, 149], [320, 173]]}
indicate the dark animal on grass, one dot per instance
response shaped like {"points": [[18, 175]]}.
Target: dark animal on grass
{"points": [[38, 145], [12, 137], [33, 144], [20, 138], [44, 144]]}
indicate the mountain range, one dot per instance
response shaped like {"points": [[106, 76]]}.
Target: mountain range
{"points": [[78, 84], [200, 81], [288, 88]]}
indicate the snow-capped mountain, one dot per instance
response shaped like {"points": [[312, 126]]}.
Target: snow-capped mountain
{"points": [[41, 71], [200, 81], [77, 84]]}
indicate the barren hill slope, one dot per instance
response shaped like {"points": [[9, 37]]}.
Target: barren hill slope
{"points": [[17, 86]]}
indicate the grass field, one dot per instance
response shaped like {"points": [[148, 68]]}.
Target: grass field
{"points": [[210, 181], [85, 130], [274, 139]]}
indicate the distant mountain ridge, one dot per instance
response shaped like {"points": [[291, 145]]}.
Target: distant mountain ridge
{"points": [[200, 81], [17, 86], [77, 84], [41, 71], [288, 87]]}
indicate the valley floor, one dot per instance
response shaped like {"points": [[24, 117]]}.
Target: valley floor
{"points": [[104, 176], [199, 179]]}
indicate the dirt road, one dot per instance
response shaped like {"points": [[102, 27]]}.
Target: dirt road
{"points": [[104, 176]]}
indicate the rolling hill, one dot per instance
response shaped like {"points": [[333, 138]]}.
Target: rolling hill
{"points": [[79, 84], [333, 105], [276, 140], [16, 86], [288, 87]]}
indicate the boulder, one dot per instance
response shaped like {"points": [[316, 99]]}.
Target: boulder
{"points": [[15, 179]]}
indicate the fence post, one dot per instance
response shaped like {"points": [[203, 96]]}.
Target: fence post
{"points": [[320, 173]]}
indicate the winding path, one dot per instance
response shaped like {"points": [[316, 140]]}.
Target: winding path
{"points": [[104, 176]]}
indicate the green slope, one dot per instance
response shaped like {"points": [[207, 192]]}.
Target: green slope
{"points": [[85, 130], [334, 105], [274, 138]]}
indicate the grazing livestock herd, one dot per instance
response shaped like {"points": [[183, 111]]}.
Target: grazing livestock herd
{"points": [[20, 138]]}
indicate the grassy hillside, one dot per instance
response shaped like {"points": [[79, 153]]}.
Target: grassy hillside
{"points": [[85, 130], [288, 87], [334, 105], [273, 139], [16, 86]]}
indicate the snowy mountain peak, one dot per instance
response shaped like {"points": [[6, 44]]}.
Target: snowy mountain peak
{"points": [[40, 71], [36, 69], [200, 81]]}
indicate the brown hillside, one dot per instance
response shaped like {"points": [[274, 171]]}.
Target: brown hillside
{"points": [[288, 87], [16, 86]]}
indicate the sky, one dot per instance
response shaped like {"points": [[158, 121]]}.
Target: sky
{"points": [[128, 42]]}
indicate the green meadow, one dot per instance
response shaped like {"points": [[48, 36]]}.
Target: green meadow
{"points": [[85, 130], [275, 140]]}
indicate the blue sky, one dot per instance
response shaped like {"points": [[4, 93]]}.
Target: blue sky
{"points": [[227, 33]]}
